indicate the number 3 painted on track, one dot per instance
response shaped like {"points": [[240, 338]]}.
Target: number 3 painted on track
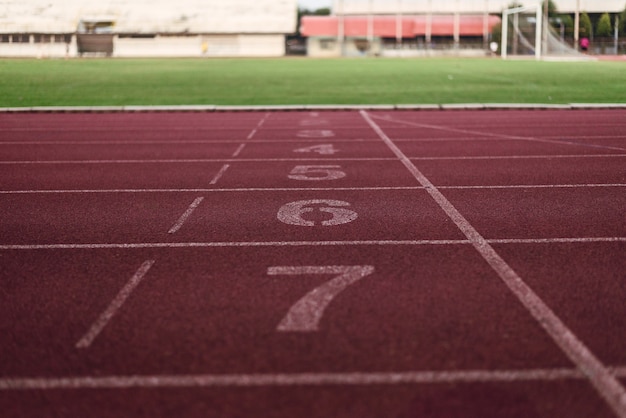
{"points": [[291, 213]]}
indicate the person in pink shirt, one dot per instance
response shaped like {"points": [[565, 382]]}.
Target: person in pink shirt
{"points": [[584, 44]]}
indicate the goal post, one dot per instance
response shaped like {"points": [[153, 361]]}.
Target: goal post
{"points": [[518, 26]]}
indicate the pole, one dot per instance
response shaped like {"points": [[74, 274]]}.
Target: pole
{"points": [[540, 27], [505, 34], [577, 26], [399, 25], [370, 27], [545, 26], [341, 31]]}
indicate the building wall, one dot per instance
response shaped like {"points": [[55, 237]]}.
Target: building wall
{"points": [[34, 49], [464, 6]]}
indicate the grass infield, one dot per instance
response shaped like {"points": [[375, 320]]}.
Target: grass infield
{"points": [[116, 82]]}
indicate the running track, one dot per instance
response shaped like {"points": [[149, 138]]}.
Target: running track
{"points": [[164, 264]]}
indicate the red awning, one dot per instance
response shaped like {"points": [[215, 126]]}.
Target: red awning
{"points": [[386, 26]]}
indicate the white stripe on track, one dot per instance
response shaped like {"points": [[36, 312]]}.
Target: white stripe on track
{"points": [[238, 151], [220, 173], [601, 378], [256, 129], [179, 223], [114, 307], [311, 189], [172, 245], [283, 379], [188, 161]]}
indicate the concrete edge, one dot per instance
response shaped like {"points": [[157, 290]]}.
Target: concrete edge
{"points": [[300, 108]]}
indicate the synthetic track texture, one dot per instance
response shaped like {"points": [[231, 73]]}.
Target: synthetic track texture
{"points": [[457, 263]]}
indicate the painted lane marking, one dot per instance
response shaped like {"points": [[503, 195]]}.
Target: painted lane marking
{"points": [[317, 173], [503, 136], [306, 314], [296, 379], [322, 149], [185, 215], [259, 125], [601, 378], [219, 174], [315, 133], [261, 189], [199, 160], [114, 307], [238, 151], [179, 142], [303, 243], [291, 213], [304, 189]]}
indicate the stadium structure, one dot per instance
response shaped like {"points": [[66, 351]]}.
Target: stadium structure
{"points": [[420, 27], [146, 28]]}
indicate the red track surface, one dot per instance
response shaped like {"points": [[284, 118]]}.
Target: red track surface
{"points": [[144, 264]]}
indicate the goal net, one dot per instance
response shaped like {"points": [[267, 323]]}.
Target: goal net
{"points": [[525, 33]]}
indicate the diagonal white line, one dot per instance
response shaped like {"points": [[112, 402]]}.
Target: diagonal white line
{"points": [[219, 174], [256, 129], [238, 151], [114, 307], [185, 215], [504, 136], [605, 383]]}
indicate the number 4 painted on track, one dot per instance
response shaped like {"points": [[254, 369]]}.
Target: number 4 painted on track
{"points": [[305, 314]]}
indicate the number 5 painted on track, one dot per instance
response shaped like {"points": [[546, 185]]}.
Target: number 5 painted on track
{"points": [[305, 314]]}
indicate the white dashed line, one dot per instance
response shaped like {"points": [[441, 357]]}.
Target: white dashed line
{"points": [[114, 307], [601, 378], [256, 129], [219, 174], [185, 215], [238, 150]]}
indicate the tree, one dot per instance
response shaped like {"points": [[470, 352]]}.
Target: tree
{"points": [[552, 11], [604, 28], [586, 30], [622, 24]]}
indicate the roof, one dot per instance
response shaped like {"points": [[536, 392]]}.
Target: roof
{"points": [[151, 16], [385, 26]]}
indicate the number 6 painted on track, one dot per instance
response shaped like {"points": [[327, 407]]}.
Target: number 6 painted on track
{"points": [[291, 213], [305, 314]]}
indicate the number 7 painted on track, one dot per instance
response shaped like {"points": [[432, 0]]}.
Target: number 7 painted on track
{"points": [[305, 314]]}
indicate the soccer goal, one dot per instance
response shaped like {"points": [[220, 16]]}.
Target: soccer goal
{"points": [[522, 32], [526, 33]]}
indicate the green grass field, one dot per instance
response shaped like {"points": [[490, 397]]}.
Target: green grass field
{"points": [[25, 83]]}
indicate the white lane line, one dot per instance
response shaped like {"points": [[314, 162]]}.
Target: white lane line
{"points": [[258, 189], [310, 189], [238, 151], [256, 129], [187, 161], [605, 383], [519, 157], [283, 379], [495, 135], [219, 174], [179, 223], [180, 142], [114, 307], [170, 245]]}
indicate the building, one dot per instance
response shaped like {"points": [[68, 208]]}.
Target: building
{"points": [[419, 27], [146, 28]]}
